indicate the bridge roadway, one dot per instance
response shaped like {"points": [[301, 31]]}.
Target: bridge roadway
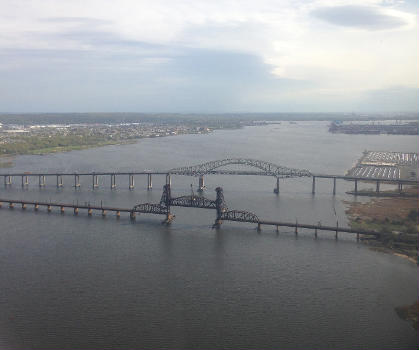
{"points": [[133, 211], [212, 172]]}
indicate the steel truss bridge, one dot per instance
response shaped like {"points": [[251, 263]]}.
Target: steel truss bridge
{"points": [[194, 201], [265, 168]]}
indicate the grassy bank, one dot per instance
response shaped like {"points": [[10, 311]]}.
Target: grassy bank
{"points": [[395, 218]]}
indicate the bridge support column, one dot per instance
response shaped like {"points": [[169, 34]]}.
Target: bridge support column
{"points": [[201, 184], [59, 181], [76, 211], [334, 186], [277, 229], [36, 207], [118, 214], [41, 180], [400, 187], [49, 208], [62, 210], [132, 215], [25, 181], [113, 181], [168, 180], [76, 181], [103, 212], [89, 212], [149, 182], [11, 205], [377, 187], [95, 181], [296, 228], [356, 187], [131, 181], [313, 186], [259, 228], [23, 206], [337, 229], [276, 189], [7, 180], [169, 218], [315, 232], [357, 236]]}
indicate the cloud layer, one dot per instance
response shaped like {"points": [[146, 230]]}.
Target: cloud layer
{"points": [[218, 56]]}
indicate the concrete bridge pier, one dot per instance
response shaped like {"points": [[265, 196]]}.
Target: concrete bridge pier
{"points": [[59, 181], [76, 211], [41, 180], [356, 187], [36, 207], [296, 228], [95, 181], [313, 186], [25, 181], [113, 181], [276, 189], [131, 182], [149, 182], [315, 232], [7, 180], [62, 210], [400, 186], [201, 184], [337, 229], [377, 187], [76, 181], [132, 215], [334, 186], [168, 180]]}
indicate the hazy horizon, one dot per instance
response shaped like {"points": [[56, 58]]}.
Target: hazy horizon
{"points": [[285, 56]]}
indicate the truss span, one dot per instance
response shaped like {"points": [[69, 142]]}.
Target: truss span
{"points": [[150, 208], [239, 215], [193, 202], [266, 168]]}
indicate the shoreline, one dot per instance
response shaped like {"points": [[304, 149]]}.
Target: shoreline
{"points": [[395, 217]]}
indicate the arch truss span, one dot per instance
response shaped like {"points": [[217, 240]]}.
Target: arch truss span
{"points": [[266, 168]]}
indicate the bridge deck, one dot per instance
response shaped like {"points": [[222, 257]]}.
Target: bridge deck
{"points": [[130, 210]]}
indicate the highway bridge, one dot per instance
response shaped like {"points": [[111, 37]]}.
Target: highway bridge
{"points": [[252, 167]]}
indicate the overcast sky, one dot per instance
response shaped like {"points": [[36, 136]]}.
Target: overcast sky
{"points": [[208, 56]]}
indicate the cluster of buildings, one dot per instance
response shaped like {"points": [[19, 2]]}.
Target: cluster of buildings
{"points": [[125, 131]]}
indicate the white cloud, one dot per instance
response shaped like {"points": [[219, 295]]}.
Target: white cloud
{"points": [[338, 59]]}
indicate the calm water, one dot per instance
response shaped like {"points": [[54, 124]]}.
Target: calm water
{"points": [[100, 283]]}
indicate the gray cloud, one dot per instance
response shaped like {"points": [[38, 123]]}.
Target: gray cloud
{"points": [[370, 18], [76, 20]]}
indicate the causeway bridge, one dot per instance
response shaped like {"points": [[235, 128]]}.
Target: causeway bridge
{"points": [[257, 168]]}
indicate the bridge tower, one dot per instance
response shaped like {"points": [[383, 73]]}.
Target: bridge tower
{"points": [[219, 206], [165, 202]]}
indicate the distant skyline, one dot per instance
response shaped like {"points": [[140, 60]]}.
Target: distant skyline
{"points": [[209, 56]]}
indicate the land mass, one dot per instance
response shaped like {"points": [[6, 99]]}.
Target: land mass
{"points": [[396, 218]]}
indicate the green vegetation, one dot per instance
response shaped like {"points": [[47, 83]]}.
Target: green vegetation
{"points": [[59, 143], [395, 218], [408, 225]]}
